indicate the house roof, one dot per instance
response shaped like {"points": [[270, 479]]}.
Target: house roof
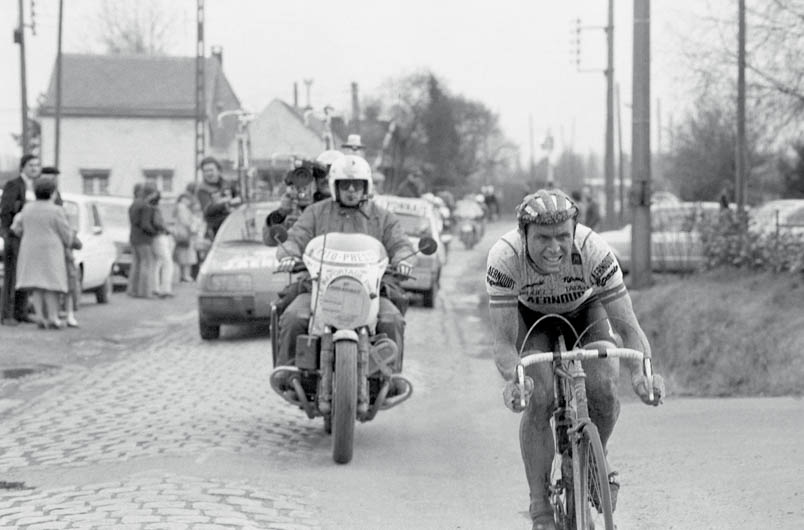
{"points": [[140, 86]]}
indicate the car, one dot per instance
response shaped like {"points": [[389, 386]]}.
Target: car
{"points": [[236, 283], [781, 215], [114, 212], [95, 259], [675, 239], [419, 219]]}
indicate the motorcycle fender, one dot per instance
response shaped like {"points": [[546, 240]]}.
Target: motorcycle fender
{"points": [[345, 334], [307, 352]]}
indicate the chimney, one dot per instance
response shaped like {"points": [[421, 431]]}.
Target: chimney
{"points": [[295, 95], [309, 83], [217, 53], [355, 109]]}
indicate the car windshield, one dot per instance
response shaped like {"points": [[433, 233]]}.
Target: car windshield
{"points": [[673, 219], [113, 214], [414, 225], [244, 224]]}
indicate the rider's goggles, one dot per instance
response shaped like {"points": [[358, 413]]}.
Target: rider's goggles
{"points": [[353, 184]]}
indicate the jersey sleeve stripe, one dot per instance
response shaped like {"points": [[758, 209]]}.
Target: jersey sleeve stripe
{"points": [[503, 303], [502, 297], [613, 294]]}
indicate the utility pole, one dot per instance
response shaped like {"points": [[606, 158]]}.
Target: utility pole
{"points": [[609, 162], [741, 148], [57, 135], [640, 148], [532, 166], [19, 38], [200, 91], [620, 169], [355, 109]]}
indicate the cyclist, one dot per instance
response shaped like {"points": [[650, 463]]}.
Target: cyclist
{"points": [[552, 264]]}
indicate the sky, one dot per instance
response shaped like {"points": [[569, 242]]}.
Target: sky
{"points": [[513, 55]]}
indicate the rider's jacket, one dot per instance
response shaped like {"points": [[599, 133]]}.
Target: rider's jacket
{"points": [[591, 271], [329, 216]]}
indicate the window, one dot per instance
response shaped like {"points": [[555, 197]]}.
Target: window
{"points": [[161, 178], [95, 181]]}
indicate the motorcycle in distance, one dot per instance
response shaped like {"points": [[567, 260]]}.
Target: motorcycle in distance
{"points": [[343, 369], [467, 232]]}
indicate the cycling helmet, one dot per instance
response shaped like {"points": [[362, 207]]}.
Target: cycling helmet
{"points": [[350, 167], [328, 157], [546, 207]]}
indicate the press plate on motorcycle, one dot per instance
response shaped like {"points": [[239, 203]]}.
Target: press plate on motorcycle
{"points": [[345, 303]]}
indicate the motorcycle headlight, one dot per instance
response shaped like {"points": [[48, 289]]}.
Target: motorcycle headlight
{"points": [[345, 303], [229, 282]]}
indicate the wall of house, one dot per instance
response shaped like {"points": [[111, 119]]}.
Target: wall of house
{"points": [[125, 146], [276, 131]]}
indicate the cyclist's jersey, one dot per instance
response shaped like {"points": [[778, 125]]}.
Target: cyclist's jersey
{"points": [[592, 270]]}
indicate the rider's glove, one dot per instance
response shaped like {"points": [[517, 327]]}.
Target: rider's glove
{"points": [[513, 393], [286, 264], [640, 384], [405, 268]]}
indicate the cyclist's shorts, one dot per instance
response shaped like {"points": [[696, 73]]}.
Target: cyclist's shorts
{"points": [[589, 321]]}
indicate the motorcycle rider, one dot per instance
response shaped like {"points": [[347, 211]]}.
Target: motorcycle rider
{"points": [[552, 264], [349, 210]]}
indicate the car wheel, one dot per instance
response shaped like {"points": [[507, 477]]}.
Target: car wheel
{"points": [[102, 292], [208, 331]]}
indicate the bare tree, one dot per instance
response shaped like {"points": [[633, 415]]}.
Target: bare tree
{"points": [[141, 28]]}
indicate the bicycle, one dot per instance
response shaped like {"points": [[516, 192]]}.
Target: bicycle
{"points": [[579, 477]]}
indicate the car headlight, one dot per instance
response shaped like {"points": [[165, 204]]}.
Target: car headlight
{"points": [[229, 282]]}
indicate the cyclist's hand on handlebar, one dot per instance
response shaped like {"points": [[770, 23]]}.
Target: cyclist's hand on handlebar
{"points": [[513, 394], [640, 384], [286, 264], [404, 267]]}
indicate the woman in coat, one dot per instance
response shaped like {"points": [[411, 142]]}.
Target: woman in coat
{"points": [[41, 266], [184, 232]]}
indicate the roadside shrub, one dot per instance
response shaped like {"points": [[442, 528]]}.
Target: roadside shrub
{"points": [[728, 242]]}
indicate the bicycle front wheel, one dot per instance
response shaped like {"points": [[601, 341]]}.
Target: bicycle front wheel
{"points": [[590, 480]]}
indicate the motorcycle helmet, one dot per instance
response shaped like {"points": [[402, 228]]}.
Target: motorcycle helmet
{"points": [[350, 167], [546, 207]]}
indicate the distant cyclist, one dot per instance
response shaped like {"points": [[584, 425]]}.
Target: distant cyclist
{"points": [[552, 264]]}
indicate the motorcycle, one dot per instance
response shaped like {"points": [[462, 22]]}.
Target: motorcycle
{"points": [[344, 369], [468, 234]]}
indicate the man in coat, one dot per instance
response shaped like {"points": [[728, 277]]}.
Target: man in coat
{"points": [[13, 303]]}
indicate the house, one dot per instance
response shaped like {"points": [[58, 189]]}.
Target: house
{"points": [[129, 118], [281, 133]]}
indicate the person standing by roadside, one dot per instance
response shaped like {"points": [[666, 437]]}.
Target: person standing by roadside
{"points": [[184, 232], [140, 280], [216, 197], [592, 215], [162, 249], [45, 234], [14, 304], [68, 304]]}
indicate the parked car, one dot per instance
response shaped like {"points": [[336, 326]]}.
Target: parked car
{"points": [[96, 258], [675, 238], [782, 215], [419, 219], [236, 283], [114, 212]]}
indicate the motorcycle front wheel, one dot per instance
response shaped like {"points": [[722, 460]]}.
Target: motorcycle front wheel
{"points": [[344, 401]]}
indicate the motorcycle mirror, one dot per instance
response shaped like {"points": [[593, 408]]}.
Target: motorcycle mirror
{"points": [[427, 246], [278, 233]]}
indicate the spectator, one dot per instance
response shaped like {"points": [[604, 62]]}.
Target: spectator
{"points": [[216, 196], [45, 234], [140, 279], [14, 304], [184, 233], [591, 208], [162, 248], [68, 303]]}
